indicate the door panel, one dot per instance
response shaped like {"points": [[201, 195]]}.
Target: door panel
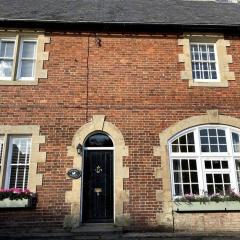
{"points": [[98, 186]]}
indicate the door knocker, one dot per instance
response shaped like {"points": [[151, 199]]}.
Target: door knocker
{"points": [[98, 169]]}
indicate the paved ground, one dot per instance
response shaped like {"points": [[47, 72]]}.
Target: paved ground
{"points": [[127, 236]]}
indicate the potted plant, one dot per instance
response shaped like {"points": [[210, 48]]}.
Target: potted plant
{"points": [[215, 202], [17, 198]]}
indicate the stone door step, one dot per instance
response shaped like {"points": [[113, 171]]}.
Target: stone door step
{"points": [[97, 229]]}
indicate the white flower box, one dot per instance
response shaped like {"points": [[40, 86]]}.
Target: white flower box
{"points": [[206, 206], [20, 203]]}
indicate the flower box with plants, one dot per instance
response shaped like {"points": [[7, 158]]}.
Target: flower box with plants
{"points": [[17, 198], [215, 202]]}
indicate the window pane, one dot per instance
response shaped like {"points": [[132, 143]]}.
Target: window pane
{"points": [[216, 164], [1, 149], [193, 165], [204, 148], [214, 148], [6, 68], [186, 188], [222, 140], [28, 50], [191, 148], [185, 176], [226, 178], [223, 148], [235, 138], [176, 164], [183, 148], [213, 140], [221, 132], [175, 148], [224, 164], [203, 132], [204, 140], [177, 177], [7, 48], [99, 140], [19, 151], [219, 188], [182, 140], [190, 138], [210, 189], [209, 178], [208, 164], [195, 189], [212, 132], [27, 68], [178, 189], [218, 178], [185, 164], [194, 177]]}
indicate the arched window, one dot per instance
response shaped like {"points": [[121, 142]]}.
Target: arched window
{"points": [[205, 159], [98, 140]]}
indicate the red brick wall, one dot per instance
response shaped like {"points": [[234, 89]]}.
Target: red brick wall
{"points": [[134, 81]]}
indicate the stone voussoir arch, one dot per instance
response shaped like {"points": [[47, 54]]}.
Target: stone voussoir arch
{"points": [[73, 197], [165, 218]]}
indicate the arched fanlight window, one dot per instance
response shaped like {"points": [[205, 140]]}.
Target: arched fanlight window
{"points": [[205, 159], [98, 140]]}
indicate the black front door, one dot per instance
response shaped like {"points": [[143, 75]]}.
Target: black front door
{"points": [[98, 186]]}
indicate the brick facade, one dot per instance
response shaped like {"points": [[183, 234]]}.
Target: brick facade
{"points": [[134, 80]]}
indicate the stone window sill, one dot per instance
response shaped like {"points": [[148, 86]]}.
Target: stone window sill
{"points": [[16, 83], [206, 206]]}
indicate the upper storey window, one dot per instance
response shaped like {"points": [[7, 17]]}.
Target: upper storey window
{"points": [[204, 65], [206, 62], [21, 57], [17, 59]]}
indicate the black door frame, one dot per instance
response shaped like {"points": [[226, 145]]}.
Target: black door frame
{"points": [[83, 159]]}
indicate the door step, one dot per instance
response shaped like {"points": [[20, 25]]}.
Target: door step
{"points": [[97, 231]]}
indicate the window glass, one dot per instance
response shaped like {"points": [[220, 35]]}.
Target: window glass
{"points": [[27, 59], [236, 143], [99, 140], [213, 167], [1, 152], [19, 152], [184, 144], [6, 58], [185, 176], [203, 61], [213, 140], [237, 163]]}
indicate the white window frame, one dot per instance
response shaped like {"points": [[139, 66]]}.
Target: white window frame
{"points": [[205, 80], [19, 65], [9, 160], [230, 155], [10, 39], [17, 56]]}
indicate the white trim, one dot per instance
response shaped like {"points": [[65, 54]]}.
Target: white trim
{"points": [[200, 157], [9, 160], [19, 67], [217, 80]]}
